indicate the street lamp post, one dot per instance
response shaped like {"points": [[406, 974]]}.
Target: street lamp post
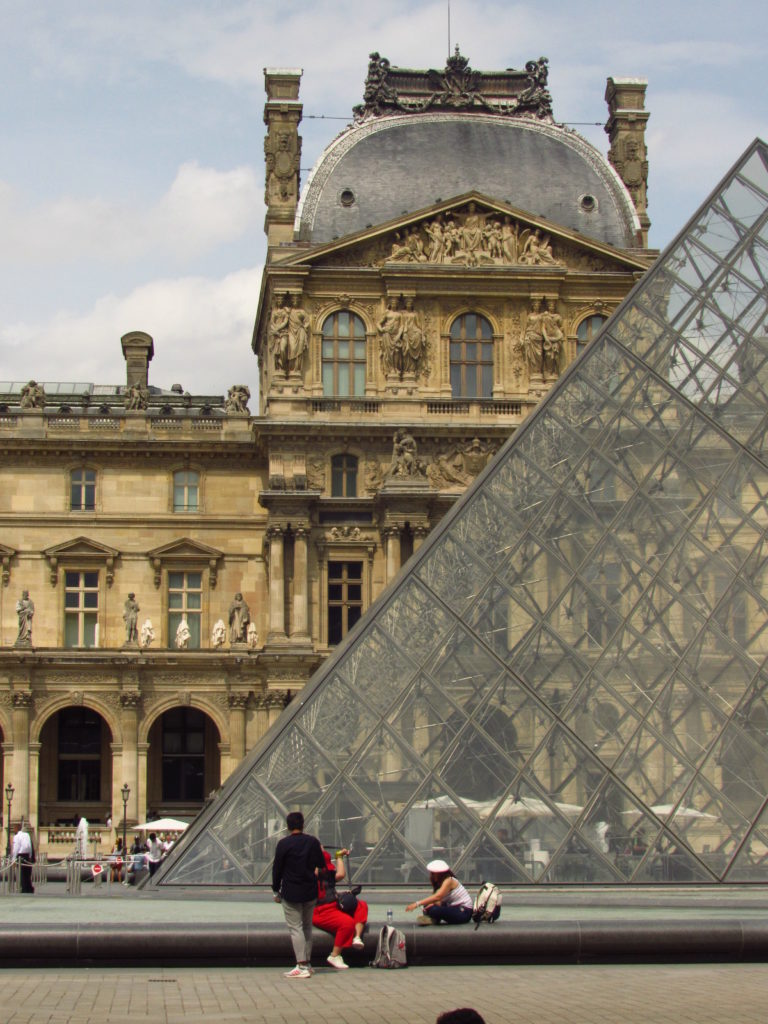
{"points": [[9, 791], [125, 792]]}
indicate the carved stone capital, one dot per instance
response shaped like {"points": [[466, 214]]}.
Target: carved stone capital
{"points": [[130, 699], [23, 699], [237, 701]]}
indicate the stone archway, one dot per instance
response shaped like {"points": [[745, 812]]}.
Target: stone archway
{"points": [[183, 761], [75, 774]]}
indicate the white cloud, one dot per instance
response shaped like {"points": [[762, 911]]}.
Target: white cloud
{"points": [[201, 329], [202, 209]]}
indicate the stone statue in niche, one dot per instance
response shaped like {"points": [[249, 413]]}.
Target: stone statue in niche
{"points": [[552, 331], [253, 635], [147, 634], [219, 634], [25, 610], [131, 619], [136, 397], [413, 339], [405, 461], [390, 328], [183, 634], [278, 335], [533, 340], [237, 399], [32, 396], [239, 617], [298, 336]]}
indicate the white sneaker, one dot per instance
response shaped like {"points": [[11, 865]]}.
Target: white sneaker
{"points": [[357, 942], [338, 963], [298, 972]]}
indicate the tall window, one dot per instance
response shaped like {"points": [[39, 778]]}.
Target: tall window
{"points": [[343, 354], [587, 329], [81, 609], [343, 476], [79, 755], [186, 491], [183, 755], [471, 357], [185, 601], [82, 490], [345, 598]]}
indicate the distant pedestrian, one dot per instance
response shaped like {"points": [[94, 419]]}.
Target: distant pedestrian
{"points": [[155, 852], [298, 859], [23, 852]]}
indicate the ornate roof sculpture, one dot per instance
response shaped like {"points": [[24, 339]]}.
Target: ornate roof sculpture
{"points": [[568, 681], [391, 89]]}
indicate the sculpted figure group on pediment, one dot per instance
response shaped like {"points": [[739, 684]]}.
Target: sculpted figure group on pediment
{"points": [[473, 239]]}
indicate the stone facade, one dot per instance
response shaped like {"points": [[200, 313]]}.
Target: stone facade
{"points": [[393, 362]]}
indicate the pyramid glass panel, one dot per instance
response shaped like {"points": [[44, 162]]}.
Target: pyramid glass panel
{"points": [[567, 682]]}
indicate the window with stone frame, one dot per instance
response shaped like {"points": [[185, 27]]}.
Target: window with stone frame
{"points": [[183, 755], [82, 490], [343, 355], [79, 755], [587, 330], [81, 608], [185, 601], [344, 476], [471, 357], [345, 598], [186, 491]]}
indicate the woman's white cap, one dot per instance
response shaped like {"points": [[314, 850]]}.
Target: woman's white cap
{"points": [[436, 867]]}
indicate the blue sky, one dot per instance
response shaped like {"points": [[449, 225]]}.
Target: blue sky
{"points": [[131, 166]]}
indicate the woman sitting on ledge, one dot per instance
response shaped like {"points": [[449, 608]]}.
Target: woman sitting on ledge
{"points": [[449, 902]]}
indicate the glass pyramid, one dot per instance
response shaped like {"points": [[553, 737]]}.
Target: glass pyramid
{"points": [[568, 682]]}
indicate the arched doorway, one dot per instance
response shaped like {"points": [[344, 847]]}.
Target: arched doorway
{"points": [[183, 762], [75, 767]]}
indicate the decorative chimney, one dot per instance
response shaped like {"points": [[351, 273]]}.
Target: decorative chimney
{"points": [[627, 118], [282, 152], [138, 349]]}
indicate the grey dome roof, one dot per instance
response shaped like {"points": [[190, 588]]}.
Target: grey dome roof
{"points": [[378, 170]]}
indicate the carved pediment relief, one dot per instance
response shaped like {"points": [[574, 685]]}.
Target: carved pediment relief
{"points": [[82, 552], [185, 554], [474, 233]]}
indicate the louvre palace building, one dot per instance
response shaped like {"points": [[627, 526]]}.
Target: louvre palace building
{"points": [[176, 567]]}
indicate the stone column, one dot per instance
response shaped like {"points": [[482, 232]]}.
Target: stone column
{"points": [[22, 704], [276, 585], [141, 782], [34, 784], [262, 716], [391, 536], [300, 584], [275, 703], [238, 703], [130, 704], [420, 534]]}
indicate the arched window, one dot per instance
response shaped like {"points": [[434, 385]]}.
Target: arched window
{"points": [[343, 354], [471, 357], [343, 476], [587, 329], [186, 491]]}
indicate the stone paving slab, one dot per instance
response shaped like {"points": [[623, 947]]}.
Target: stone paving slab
{"points": [[639, 994]]}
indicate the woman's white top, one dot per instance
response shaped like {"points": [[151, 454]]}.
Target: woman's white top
{"points": [[458, 897]]}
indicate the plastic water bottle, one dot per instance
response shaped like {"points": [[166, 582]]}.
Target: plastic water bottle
{"points": [[390, 916]]}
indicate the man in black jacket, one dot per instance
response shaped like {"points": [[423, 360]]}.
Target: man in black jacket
{"points": [[298, 858]]}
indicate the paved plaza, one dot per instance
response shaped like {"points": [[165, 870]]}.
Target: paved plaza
{"points": [[640, 994]]}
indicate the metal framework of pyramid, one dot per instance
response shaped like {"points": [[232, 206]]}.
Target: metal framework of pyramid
{"points": [[568, 682]]}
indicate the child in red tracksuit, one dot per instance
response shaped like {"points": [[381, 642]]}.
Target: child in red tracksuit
{"points": [[347, 930]]}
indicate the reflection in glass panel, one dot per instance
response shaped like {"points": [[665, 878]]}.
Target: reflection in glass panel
{"points": [[566, 686]]}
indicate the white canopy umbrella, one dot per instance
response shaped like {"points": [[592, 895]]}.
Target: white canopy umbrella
{"points": [[532, 807], [162, 825], [682, 813]]}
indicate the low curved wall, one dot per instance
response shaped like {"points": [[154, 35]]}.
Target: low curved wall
{"points": [[268, 945]]}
